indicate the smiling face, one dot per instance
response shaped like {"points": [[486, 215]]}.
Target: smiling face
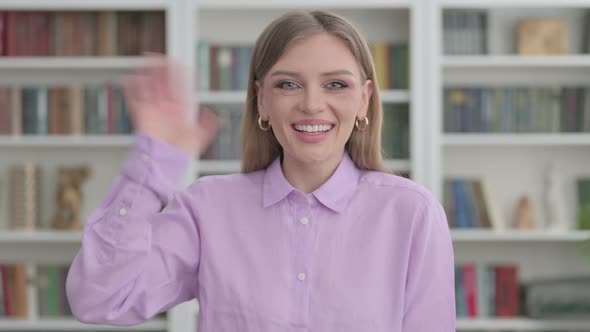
{"points": [[312, 96]]}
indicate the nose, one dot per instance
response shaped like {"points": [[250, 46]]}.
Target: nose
{"points": [[313, 100]]}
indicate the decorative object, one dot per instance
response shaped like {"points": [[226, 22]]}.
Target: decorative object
{"points": [[542, 37], [524, 216], [69, 197]]}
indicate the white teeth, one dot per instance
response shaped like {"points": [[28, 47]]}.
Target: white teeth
{"points": [[313, 128]]}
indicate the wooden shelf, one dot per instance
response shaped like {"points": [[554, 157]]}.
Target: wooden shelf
{"points": [[500, 139], [512, 61], [73, 325], [522, 324], [482, 235], [106, 140]]}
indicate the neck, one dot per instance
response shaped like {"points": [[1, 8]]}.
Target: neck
{"points": [[309, 176]]}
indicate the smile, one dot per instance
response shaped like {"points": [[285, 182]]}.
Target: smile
{"points": [[313, 128]]}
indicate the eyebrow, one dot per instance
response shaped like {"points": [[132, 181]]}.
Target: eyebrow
{"points": [[329, 73]]}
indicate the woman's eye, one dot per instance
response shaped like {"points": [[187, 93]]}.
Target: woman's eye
{"points": [[287, 85], [336, 85]]}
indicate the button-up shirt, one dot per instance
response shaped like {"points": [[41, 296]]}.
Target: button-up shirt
{"points": [[365, 252]]}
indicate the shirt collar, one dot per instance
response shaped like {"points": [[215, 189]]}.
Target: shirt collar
{"points": [[335, 194]]}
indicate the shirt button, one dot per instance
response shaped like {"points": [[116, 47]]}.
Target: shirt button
{"points": [[301, 276], [304, 221], [145, 157], [122, 212]]}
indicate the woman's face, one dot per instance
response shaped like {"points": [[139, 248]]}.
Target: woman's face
{"points": [[312, 96]]}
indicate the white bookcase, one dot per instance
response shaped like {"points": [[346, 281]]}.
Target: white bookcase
{"points": [[515, 163]]}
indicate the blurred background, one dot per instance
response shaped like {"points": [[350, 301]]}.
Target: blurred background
{"points": [[486, 103]]}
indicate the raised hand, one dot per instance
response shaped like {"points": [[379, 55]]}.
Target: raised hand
{"points": [[156, 97]]}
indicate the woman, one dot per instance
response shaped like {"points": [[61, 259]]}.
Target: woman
{"points": [[311, 236]]}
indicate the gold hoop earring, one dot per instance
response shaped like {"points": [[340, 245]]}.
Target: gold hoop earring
{"points": [[261, 126], [360, 126]]}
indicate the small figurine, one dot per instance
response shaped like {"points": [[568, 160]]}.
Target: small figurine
{"points": [[69, 198], [524, 216]]}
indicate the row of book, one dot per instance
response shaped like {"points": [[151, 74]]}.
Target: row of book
{"points": [[63, 110], [49, 284], [226, 67], [485, 290], [464, 32], [517, 109], [75, 33]]}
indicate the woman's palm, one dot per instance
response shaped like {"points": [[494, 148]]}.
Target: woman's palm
{"points": [[157, 103]]}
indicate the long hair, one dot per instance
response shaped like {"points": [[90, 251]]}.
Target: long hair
{"points": [[260, 148]]}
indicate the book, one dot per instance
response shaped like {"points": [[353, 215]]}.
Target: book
{"points": [[583, 190]]}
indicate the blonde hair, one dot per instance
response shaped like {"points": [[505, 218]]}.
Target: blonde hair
{"points": [[260, 148]]}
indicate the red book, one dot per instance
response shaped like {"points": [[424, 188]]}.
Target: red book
{"points": [[506, 291], [470, 284], [3, 24], [6, 289], [10, 34]]}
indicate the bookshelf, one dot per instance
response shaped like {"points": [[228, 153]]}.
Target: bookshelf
{"points": [[105, 152], [515, 161]]}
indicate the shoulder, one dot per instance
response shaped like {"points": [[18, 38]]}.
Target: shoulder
{"points": [[402, 197], [395, 187]]}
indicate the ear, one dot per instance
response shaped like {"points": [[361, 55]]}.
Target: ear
{"points": [[366, 93], [259, 96]]}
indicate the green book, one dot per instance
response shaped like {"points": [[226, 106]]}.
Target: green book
{"points": [[584, 203]]}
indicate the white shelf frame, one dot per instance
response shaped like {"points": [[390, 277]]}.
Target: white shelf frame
{"points": [[513, 4], [85, 5], [515, 61], [40, 237], [233, 166], [483, 235], [521, 324], [239, 97], [70, 324], [305, 4], [30, 141], [517, 139], [73, 62]]}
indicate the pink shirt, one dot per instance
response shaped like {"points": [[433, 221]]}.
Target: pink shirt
{"points": [[366, 251]]}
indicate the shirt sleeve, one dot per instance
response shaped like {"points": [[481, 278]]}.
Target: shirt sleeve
{"points": [[430, 287], [137, 259]]}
